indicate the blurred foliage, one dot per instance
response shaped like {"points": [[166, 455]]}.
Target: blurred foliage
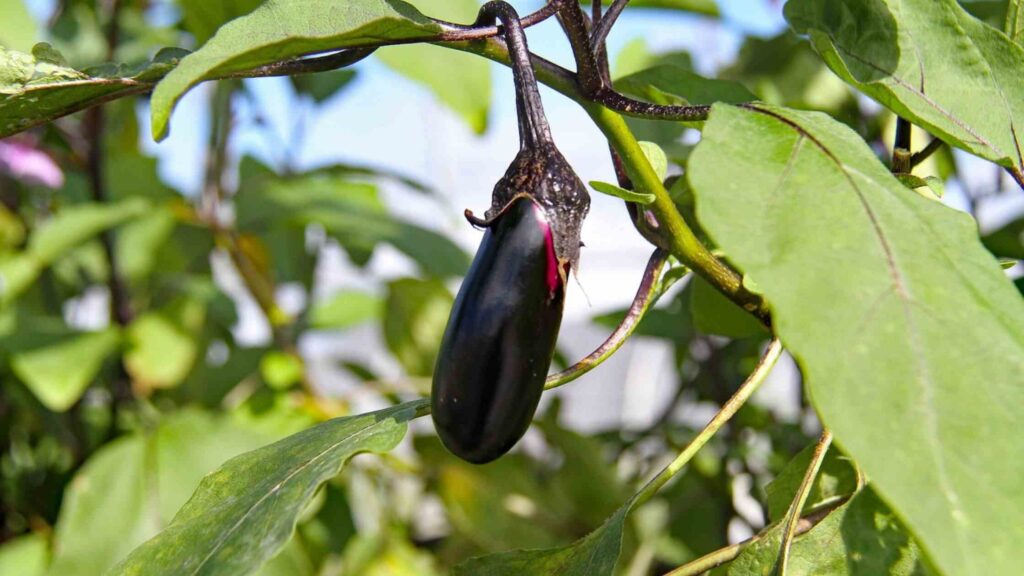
{"points": [[123, 380]]}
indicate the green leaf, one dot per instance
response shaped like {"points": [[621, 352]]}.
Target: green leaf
{"points": [[673, 85], [351, 213], [866, 282], [65, 232], [836, 478], [56, 363], [130, 489], [203, 17], [415, 315], [1008, 241], [345, 310], [594, 555], [916, 57], [627, 195], [461, 81], [715, 314], [281, 370], [163, 346], [656, 156], [860, 538], [25, 556], [243, 513], [39, 87], [283, 29], [18, 30]]}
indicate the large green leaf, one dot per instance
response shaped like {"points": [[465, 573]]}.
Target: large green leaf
{"points": [[68, 230], [18, 29], [928, 61], [868, 282], [243, 513], [58, 364], [461, 81], [203, 17], [283, 29], [860, 538], [132, 487], [38, 87]]}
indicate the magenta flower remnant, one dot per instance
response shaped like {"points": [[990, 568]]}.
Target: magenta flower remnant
{"points": [[20, 159]]}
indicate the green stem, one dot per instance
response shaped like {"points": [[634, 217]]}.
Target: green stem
{"points": [[682, 241], [746, 390], [796, 507]]}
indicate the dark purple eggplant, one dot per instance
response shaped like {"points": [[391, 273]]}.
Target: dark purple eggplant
{"points": [[501, 334]]}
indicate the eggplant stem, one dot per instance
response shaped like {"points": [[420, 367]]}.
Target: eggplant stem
{"points": [[646, 295], [533, 125]]}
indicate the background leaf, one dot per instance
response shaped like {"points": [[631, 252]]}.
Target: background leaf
{"points": [[868, 284], [18, 30], [130, 490], [242, 514], [58, 364], [461, 81]]}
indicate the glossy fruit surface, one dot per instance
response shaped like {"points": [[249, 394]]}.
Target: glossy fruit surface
{"points": [[500, 336]]}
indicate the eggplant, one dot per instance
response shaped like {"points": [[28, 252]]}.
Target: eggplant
{"points": [[501, 334]]}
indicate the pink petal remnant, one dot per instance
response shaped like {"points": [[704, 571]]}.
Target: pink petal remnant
{"points": [[553, 279], [23, 161]]}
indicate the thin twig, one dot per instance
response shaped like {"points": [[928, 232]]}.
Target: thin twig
{"points": [[595, 11], [924, 153], [602, 28], [745, 391], [646, 294], [796, 507]]}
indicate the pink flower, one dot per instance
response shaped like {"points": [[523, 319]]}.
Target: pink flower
{"points": [[24, 162]]}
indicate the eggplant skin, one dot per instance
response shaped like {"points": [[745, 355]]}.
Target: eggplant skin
{"points": [[500, 337]]}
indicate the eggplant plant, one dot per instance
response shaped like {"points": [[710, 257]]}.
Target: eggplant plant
{"points": [[144, 429]]}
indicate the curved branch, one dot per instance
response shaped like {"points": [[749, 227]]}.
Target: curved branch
{"points": [[646, 294], [604, 26], [745, 391]]}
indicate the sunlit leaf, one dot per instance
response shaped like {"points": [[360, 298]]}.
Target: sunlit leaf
{"points": [[39, 87], [867, 281]]}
